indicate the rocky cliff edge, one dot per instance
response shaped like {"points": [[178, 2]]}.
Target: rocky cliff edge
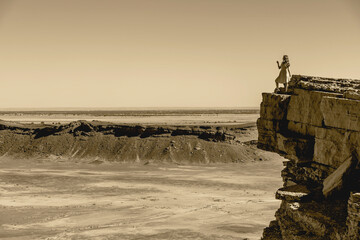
{"points": [[315, 125]]}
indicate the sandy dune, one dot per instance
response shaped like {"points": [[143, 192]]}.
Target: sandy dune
{"points": [[122, 201]]}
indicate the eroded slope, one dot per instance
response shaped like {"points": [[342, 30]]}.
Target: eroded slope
{"points": [[100, 141]]}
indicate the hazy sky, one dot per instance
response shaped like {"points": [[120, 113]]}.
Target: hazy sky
{"points": [[168, 53]]}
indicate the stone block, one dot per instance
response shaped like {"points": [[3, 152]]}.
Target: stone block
{"points": [[301, 128], [267, 134], [268, 125], [341, 113], [332, 146], [304, 106], [274, 106]]}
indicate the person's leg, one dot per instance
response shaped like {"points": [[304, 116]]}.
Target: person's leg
{"points": [[286, 86]]}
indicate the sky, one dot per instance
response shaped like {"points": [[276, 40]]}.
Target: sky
{"points": [[168, 53]]}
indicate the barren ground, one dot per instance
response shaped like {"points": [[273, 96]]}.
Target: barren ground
{"points": [[62, 200]]}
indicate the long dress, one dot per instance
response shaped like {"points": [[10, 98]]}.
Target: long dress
{"points": [[284, 75]]}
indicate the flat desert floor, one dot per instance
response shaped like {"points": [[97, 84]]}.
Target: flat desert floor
{"points": [[48, 200], [205, 116]]}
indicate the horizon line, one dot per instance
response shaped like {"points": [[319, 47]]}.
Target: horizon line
{"points": [[116, 108]]}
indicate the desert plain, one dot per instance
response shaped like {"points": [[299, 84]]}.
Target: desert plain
{"points": [[61, 198]]}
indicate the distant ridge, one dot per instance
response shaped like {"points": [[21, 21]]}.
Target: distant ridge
{"points": [[90, 141]]}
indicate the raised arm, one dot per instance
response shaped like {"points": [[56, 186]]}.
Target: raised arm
{"points": [[278, 64]]}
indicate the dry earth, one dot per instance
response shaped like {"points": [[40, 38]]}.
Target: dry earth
{"points": [[54, 200]]}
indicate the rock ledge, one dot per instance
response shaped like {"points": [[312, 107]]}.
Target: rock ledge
{"points": [[316, 126]]}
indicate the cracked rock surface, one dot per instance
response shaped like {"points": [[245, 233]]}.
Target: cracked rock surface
{"points": [[316, 126]]}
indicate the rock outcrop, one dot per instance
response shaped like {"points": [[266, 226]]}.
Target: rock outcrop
{"points": [[101, 141], [316, 126]]}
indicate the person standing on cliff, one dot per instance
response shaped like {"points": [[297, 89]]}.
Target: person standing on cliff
{"points": [[284, 75]]}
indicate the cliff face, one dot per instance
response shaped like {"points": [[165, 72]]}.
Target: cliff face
{"points": [[316, 126]]}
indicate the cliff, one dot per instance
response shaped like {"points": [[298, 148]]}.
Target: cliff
{"points": [[315, 125], [100, 141]]}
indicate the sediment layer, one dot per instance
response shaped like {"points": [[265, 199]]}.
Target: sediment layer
{"points": [[100, 141], [316, 126]]}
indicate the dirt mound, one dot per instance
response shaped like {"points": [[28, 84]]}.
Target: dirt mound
{"points": [[100, 141]]}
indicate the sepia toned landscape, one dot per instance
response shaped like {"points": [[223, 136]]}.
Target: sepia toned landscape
{"points": [[179, 120], [102, 180]]}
